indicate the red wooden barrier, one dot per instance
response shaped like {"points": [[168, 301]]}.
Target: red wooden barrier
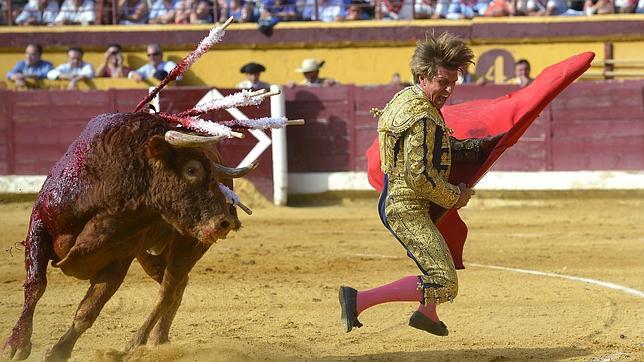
{"points": [[590, 126]]}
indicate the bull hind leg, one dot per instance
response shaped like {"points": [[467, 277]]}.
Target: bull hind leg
{"points": [[37, 255], [180, 257], [102, 288]]}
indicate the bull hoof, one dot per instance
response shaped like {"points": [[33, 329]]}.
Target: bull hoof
{"points": [[11, 351], [52, 355]]}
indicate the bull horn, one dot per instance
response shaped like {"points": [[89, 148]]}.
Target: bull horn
{"points": [[234, 172], [179, 139]]}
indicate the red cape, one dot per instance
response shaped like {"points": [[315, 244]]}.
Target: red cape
{"points": [[512, 113]]}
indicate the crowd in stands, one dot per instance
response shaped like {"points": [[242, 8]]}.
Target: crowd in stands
{"points": [[267, 13]]}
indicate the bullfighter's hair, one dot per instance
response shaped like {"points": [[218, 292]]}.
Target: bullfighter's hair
{"points": [[446, 50]]}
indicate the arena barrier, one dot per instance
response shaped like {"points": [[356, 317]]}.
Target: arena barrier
{"points": [[594, 127]]}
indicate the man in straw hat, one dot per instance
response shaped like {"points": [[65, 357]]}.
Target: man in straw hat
{"points": [[311, 70], [252, 71], [416, 153]]}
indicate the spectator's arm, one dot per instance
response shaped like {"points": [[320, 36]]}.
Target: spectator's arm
{"points": [[54, 73], [16, 71], [87, 72]]}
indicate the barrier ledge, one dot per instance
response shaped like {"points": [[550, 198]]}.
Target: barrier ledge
{"points": [[320, 182]]}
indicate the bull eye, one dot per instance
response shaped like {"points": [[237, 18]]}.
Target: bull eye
{"points": [[193, 171]]}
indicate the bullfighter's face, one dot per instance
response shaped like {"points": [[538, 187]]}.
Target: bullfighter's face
{"points": [[186, 190], [438, 88]]}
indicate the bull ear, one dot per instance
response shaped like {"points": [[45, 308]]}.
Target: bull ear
{"points": [[158, 150]]}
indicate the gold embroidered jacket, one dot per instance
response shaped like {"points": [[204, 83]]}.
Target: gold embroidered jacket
{"points": [[416, 147]]}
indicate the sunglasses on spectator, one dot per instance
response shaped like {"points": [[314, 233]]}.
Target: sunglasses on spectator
{"points": [[154, 54]]}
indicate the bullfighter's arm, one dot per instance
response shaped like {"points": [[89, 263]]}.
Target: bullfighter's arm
{"points": [[473, 149], [420, 174]]}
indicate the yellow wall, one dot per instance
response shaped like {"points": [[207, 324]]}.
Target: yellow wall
{"points": [[359, 64]]}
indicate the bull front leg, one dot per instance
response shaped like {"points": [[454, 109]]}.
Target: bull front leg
{"points": [[102, 288], [180, 256], [37, 254]]}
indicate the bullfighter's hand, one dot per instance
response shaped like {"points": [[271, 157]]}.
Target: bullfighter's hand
{"points": [[464, 197]]}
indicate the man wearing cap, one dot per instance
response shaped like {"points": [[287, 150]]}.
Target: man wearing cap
{"points": [[252, 72], [311, 70]]}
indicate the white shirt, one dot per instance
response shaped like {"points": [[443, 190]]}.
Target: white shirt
{"points": [[85, 69], [31, 10], [84, 14], [148, 70]]}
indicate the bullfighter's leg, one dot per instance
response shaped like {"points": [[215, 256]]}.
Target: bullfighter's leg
{"points": [[102, 288], [182, 256], [37, 254]]}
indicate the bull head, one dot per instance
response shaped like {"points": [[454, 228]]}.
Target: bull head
{"points": [[186, 177]]}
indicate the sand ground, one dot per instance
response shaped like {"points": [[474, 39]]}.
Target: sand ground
{"points": [[269, 292]]}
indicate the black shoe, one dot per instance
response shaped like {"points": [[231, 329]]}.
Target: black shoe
{"points": [[349, 315], [420, 321]]}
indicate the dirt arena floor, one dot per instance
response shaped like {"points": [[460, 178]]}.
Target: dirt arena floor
{"points": [[269, 292]]}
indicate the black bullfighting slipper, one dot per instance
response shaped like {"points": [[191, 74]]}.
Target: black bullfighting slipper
{"points": [[349, 315], [420, 321]]}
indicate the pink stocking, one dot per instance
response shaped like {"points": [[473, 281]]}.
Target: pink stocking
{"points": [[403, 290]]}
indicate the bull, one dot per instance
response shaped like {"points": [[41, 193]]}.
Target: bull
{"points": [[121, 192]]}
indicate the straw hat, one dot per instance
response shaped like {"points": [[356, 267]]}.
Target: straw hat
{"points": [[310, 65]]}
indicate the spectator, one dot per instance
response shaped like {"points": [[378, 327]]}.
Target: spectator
{"points": [[241, 10], [521, 74], [74, 12], [162, 12], [396, 10], [598, 7], [640, 7], [358, 10], [424, 9], [311, 70], [397, 81], [133, 12], [182, 11], [156, 68], [74, 70], [529, 7], [625, 6], [498, 8], [461, 9], [200, 12], [32, 67], [328, 10], [38, 12], [560, 7], [280, 10], [114, 65], [252, 72]]}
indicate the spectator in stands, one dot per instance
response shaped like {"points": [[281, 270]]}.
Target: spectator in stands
{"points": [[461, 9], [38, 12], [529, 7], [358, 10], [598, 7], [75, 70], [32, 67], [162, 12], [114, 65], [133, 12], [200, 12], [625, 6], [424, 9], [156, 68], [521, 74], [252, 72], [396, 10], [640, 7], [241, 10], [280, 10], [499, 8], [397, 81], [74, 12], [182, 11], [328, 10], [560, 7], [311, 70]]}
